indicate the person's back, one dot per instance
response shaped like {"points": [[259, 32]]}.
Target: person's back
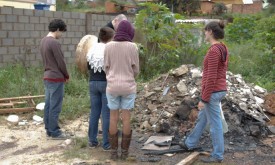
{"points": [[122, 61]]}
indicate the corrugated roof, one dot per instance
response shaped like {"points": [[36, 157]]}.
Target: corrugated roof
{"points": [[247, 1]]}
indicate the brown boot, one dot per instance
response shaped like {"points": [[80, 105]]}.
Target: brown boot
{"points": [[113, 139], [125, 143]]}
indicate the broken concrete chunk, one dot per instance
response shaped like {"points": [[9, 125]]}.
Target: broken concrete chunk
{"points": [[259, 100], [13, 118], [259, 89], [40, 106], [196, 73], [243, 106], [37, 118], [148, 94], [180, 71], [182, 87]]}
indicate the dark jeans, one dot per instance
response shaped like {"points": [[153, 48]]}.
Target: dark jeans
{"points": [[54, 92], [99, 106]]}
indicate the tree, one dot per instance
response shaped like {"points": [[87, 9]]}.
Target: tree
{"points": [[219, 8], [271, 2], [182, 6]]}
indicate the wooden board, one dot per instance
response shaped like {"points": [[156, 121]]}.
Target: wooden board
{"points": [[191, 158]]}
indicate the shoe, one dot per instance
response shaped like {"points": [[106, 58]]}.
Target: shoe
{"points": [[125, 144], [100, 132], [113, 139], [106, 148], [210, 159], [62, 136], [93, 145]]}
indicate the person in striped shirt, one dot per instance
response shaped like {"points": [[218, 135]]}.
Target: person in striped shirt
{"points": [[213, 90]]}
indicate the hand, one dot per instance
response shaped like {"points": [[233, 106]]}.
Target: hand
{"points": [[200, 105], [66, 80]]}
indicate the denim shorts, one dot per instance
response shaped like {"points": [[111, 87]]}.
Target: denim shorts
{"points": [[116, 102]]}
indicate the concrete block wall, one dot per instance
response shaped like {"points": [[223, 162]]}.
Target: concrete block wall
{"points": [[21, 31]]}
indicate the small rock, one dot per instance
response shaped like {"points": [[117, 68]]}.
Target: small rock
{"points": [[37, 118], [254, 130], [148, 94], [259, 100], [196, 73], [259, 89], [180, 71], [40, 106], [243, 106], [182, 87], [140, 139], [13, 118]]}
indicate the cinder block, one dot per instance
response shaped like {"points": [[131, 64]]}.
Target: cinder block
{"points": [[39, 13], [13, 50], [40, 27], [107, 18], [35, 63], [29, 41], [66, 41], [43, 20], [70, 34], [8, 58], [30, 57], [34, 19], [3, 50], [81, 22], [58, 14], [49, 14], [66, 15], [35, 34], [12, 18], [94, 17], [18, 26], [2, 18], [13, 34], [82, 16], [98, 23], [29, 27], [75, 15], [24, 34], [29, 12], [17, 11], [24, 19], [74, 28], [82, 28], [6, 10], [71, 48], [78, 34], [7, 41], [7, 26], [3, 34], [100, 17], [67, 54], [70, 60], [19, 41], [37, 41], [75, 41], [71, 22]]}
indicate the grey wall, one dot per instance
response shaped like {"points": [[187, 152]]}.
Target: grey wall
{"points": [[22, 29]]}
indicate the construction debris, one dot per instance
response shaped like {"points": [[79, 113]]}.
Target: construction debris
{"points": [[18, 104], [176, 112]]}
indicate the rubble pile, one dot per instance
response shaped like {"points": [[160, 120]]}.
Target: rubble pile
{"points": [[168, 104]]}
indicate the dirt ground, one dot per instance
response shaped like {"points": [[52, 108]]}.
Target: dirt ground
{"points": [[28, 145]]}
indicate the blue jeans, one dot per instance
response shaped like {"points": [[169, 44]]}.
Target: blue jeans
{"points": [[99, 106], [54, 92], [210, 114]]}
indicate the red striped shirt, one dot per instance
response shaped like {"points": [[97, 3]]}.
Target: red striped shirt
{"points": [[214, 71]]}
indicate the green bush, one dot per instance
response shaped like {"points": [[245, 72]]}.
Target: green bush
{"points": [[166, 44]]}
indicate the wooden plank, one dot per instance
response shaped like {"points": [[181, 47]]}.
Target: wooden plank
{"points": [[189, 159], [6, 104], [16, 110], [192, 158], [21, 97]]}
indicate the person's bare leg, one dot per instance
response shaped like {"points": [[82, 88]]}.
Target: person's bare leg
{"points": [[126, 119], [114, 116]]}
